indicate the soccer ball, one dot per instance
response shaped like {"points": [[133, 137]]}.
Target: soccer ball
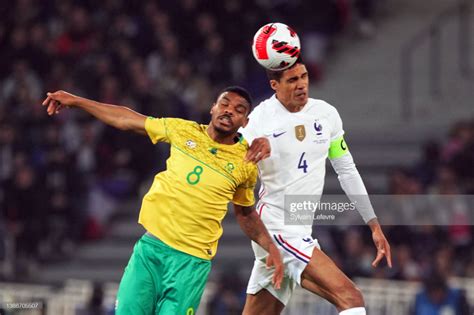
{"points": [[276, 46]]}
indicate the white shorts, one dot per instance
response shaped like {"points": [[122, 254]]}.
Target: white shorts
{"points": [[296, 253]]}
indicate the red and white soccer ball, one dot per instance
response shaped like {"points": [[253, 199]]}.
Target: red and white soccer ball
{"points": [[276, 46]]}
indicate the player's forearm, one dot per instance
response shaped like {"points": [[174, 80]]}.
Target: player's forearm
{"points": [[253, 227], [353, 185], [120, 117]]}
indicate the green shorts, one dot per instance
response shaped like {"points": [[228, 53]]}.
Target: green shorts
{"points": [[161, 280]]}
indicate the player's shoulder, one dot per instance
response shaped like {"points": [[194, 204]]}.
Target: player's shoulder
{"points": [[321, 105], [266, 106], [321, 108], [179, 123]]}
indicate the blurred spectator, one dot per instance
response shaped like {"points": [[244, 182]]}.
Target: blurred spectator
{"points": [[2, 248], [77, 40], [22, 81], [460, 154], [460, 136], [230, 295], [26, 214], [438, 298], [358, 257], [60, 185], [453, 212], [426, 168], [95, 305], [406, 268], [365, 17], [8, 147]]}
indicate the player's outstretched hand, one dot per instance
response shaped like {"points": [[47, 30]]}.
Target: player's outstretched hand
{"points": [[274, 259], [56, 101], [259, 150], [383, 248]]}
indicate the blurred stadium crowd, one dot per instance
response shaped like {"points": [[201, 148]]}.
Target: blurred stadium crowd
{"points": [[62, 177]]}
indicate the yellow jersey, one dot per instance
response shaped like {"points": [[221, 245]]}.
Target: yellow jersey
{"points": [[187, 202]]}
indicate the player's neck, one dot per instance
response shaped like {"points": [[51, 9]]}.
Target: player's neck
{"points": [[294, 108], [219, 137]]}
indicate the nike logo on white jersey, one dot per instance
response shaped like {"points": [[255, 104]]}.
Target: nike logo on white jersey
{"points": [[276, 135]]}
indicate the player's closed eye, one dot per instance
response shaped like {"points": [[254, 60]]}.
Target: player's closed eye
{"points": [[240, 110]]}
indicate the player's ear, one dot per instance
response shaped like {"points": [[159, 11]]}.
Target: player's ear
{"points": [[246, 121], [274, 84], [212, 108]]}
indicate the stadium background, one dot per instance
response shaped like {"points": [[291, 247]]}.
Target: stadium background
{"points": [[70, 186]]}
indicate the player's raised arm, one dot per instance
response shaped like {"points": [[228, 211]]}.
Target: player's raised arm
{"points": [[254, 228], [120, 117], [353, 186]]}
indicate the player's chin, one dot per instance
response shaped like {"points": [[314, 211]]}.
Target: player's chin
{"points": [[301, 99], [225, 129]]}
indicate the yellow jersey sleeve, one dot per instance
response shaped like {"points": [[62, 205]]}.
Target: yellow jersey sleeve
{"points": [[244, 194], [156, 129]]}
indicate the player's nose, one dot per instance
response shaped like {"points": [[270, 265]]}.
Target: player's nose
{"points": [[229, 111]]}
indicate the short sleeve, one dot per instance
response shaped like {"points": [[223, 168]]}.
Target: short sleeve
{"points": [[244, 195], [156, 129], [337, 131]]}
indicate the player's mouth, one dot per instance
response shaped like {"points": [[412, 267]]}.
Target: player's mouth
{"points": [[300, 95], [226, 120]]}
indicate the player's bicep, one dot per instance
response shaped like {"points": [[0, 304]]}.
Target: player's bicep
{"points": [[244, 194], [338, 148]]}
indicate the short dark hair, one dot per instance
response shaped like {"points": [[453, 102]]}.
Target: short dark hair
{"points": [[240, 91], [276, 75]]}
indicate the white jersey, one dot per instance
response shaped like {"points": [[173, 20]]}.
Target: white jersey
{"points": [[299, 147]]}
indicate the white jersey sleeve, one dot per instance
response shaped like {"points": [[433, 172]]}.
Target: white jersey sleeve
{"points": [[337, 131], [353, 186], [347, 173]]}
